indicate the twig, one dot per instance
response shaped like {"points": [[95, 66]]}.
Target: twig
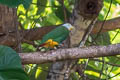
{"points": [[104, 21], [114, 76], [64, 11], [101, 69], [115, 35], [116, 65]]}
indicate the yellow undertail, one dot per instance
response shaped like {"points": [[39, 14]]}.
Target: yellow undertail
{"points": [[50, 43]]}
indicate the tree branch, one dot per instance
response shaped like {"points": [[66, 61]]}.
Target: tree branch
{"points": [[112, 64], [70, 54], [32, 34], [109, 25]]}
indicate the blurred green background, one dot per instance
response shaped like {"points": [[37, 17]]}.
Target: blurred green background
{"points": [[50, 12]]}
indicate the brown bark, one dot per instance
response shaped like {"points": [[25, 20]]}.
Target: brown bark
{"points": [[70, 54], [8, 23], [32, 34], [7, 19], [8, 26], [36, 34], [109, 25], [83, 19]]}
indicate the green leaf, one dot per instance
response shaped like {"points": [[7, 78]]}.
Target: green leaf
{"points": [[102, 39], [41, 72], [26, 3], [41, 4], [10, 65], [15, 3], [74, 76], [10, 3], [60, 14]]}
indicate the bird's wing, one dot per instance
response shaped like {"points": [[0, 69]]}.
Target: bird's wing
{"points": [[61, 38], [55, 34]]}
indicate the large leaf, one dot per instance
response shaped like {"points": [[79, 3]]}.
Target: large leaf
{"points": [[10, 3], [10, 65], [26, 3], [15, 3]]}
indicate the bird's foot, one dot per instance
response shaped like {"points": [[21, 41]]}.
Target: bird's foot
{"points": [[43, 49]]}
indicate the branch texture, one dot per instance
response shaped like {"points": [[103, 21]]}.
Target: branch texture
{"points": [[70, 54], [109, 25], [30, 35]]}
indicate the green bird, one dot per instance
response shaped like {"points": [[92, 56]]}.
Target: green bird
{"points": [[16, 3], [56, 36]]}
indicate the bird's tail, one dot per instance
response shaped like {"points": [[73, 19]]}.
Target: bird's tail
{"points": [[41, 45]]}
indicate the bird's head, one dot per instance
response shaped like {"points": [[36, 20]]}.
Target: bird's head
{"points": [[68, 26]]}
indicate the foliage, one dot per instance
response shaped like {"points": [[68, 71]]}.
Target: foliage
{"points": [[10, 65], [50, 12], [15, 3]]}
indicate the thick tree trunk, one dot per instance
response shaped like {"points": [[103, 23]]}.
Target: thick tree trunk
{"points": [[8, 23], [83, 18]]}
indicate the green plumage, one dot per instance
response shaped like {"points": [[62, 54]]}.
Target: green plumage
{"points": [[15, 3], [59, 34]]}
